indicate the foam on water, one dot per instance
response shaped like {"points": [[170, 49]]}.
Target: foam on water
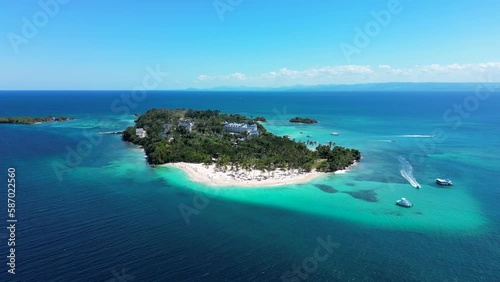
{"points": [[416, 136], [406, 170]]}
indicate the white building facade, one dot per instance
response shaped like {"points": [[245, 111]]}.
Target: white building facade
{"points": [[251, 129], [140, 132]]}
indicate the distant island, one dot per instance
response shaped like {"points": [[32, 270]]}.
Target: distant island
{"points": [[384, 86], [208, 142], [33, 120], [303, 120]]}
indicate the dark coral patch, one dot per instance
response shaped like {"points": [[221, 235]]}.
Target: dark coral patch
{"points": [[326, 188], [365, 195]]}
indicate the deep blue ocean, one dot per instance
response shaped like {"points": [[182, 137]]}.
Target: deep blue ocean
{"points": [[104, 215]]}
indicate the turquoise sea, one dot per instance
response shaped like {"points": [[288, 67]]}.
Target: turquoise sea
{"points": [[89, 208]]}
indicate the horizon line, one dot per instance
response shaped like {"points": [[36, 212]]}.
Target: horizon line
{"points": [[297, 87]]}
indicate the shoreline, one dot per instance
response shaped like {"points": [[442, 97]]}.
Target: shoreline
{"points": [[209, 176]]}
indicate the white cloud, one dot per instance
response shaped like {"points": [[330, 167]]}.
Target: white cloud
{"points": [[350, 74], [237, 76], [204, 77]]}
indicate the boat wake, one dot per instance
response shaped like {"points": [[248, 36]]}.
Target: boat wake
{"points": [[416, 136], [406, 170]]}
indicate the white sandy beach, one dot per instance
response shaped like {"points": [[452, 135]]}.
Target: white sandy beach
{"points": [[242, 178]]}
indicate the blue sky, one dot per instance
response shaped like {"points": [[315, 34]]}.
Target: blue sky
{"points": [[112, 44]]}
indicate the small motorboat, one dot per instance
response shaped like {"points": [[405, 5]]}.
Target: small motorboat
{"points": [[404, 203], [335, 133], [444, 182]]}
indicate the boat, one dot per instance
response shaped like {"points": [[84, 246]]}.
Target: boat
{"points": [[404, 203], [309, 136], [335, 133], [444, 182]]}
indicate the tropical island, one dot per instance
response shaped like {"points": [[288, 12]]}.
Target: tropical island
{"points": [[33, 120], [303, 120], [207, 142]]}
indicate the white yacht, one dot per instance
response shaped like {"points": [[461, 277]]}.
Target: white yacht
{"points": [[444, 182], [404, 203]]}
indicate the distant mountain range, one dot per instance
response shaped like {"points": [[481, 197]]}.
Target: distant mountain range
{"points": [[392, 86]]}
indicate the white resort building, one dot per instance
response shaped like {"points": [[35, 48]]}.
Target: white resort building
{"points": [[187, 124], [241, 128], [140, 132]]}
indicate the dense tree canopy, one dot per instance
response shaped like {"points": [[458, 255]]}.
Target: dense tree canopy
{"points": [[303, 120], [32, 120], [168, 141]]}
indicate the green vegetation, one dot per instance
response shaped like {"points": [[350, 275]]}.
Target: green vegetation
{"points": [[32, 120], [261, 119], [303, 120], [170, 140]]}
